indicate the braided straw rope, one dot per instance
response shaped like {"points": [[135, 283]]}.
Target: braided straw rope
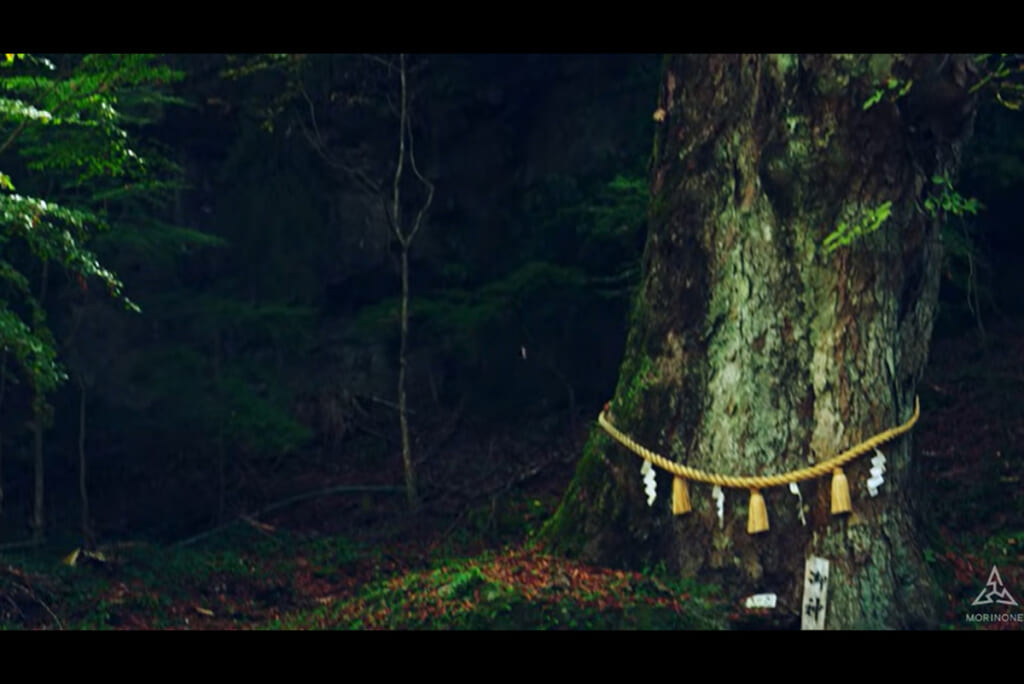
{"points": [[758, 481]]}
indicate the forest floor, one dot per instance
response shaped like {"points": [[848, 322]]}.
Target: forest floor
{"points": [[471, 561]]}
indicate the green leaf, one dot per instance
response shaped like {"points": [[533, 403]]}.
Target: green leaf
{"points": [[869, 222], [873, 100]]}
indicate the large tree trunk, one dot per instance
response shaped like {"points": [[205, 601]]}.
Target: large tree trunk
{"points": [[752, 351]]}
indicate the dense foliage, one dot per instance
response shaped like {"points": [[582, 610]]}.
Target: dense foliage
{"points": [[65, 124]]}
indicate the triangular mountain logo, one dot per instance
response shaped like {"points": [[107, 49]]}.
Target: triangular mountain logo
{"points": [[995, 591]]}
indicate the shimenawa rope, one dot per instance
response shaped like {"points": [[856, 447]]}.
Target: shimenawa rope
{"points": [[758, 521]]}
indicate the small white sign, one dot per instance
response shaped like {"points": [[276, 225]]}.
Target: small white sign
{"points": [[812, 616], [761, 601]]}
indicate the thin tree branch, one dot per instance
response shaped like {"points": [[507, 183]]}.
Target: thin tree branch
{"points": [[14, 135], [422, 179], [396, 215], [380, 60], [369, 185]]}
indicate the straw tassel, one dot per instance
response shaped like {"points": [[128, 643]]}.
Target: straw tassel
{"points": [[757, 522], [680, 496], [840, 493]]}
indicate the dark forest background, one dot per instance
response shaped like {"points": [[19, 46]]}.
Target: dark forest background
{"points": [[266, 350]]}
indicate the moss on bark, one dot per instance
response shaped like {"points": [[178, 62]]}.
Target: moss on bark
{"points": [[753, 351]]}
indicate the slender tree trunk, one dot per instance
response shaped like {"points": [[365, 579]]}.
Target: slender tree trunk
{"points": [[221, 457], [83, 491], [404, 241], [403, 231], [3, 389], [40, 417], [39, 468], [405, 235], [752, 351], [403, 418]]}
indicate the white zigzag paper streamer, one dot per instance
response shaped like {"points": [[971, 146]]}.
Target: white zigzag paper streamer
{"points": [[877, 468], [650, 483], [719, 496], [799, 502]]}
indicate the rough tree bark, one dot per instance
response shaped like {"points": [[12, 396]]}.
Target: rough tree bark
{"points": [[753, 351]]}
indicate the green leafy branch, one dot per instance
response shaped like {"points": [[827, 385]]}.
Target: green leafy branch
{"points": [[47, 229], [1002, 74], [895, 87], [845, 233], [67, 123], [949, 201], [33, 349]]}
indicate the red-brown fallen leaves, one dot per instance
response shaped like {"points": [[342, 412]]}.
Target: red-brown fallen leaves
{"points": [[427, 598]]}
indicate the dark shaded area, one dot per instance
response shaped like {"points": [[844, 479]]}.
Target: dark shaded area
{"points": [[263, 363]]}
